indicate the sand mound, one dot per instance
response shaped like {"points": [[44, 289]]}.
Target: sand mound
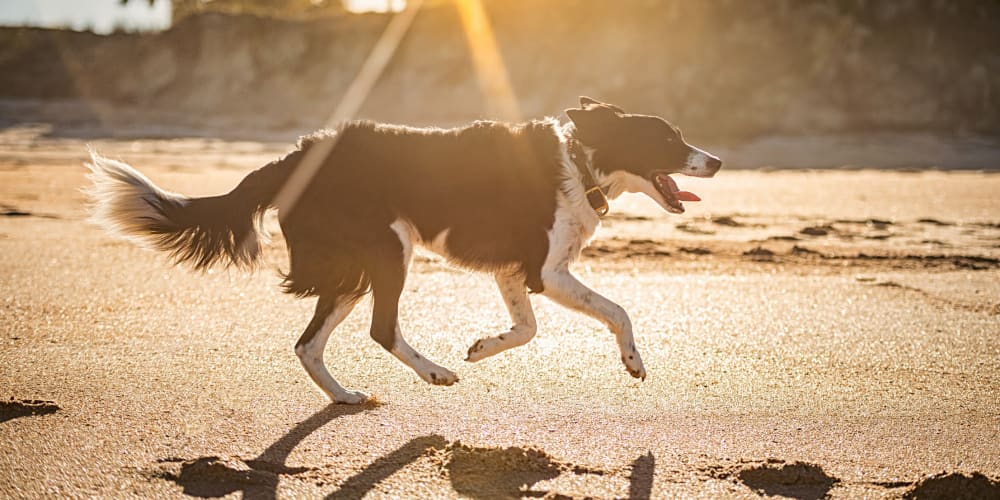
{"points": [[798, 479], [954, 486]]}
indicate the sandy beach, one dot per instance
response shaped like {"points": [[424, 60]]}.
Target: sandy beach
{"points": [[807, 333]]}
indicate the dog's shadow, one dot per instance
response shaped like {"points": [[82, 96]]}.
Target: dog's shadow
{"points": [[474, 472], [209, 477], [486, 472]]}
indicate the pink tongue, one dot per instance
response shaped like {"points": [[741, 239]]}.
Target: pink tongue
{"points": [[680, 195]]}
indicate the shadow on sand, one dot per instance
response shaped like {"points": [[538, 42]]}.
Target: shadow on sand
{"points": [[512, 472], [795, 480], [487, 472], [16, 408], [208, 477], [473, 472]]}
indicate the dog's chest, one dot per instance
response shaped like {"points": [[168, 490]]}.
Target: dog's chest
{"points": [[574, 225]]}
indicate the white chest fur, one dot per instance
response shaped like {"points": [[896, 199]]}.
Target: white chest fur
{"points": [[575, 220]]}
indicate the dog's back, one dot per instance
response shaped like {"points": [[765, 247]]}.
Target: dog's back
{"points": [[492, 187]]}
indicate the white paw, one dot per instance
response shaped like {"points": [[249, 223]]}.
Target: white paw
{"points": [[639, 373], [349, 398], [633, 363], [440, 376], [484, 348]]}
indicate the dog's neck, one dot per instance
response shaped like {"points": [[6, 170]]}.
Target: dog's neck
{"points": [[582, 157], [613, 184]]}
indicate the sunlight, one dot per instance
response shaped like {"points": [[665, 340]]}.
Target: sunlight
{"points": [[491, 72], [359, 6]]}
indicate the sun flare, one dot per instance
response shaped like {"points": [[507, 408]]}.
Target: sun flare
{"points": [[491, 72]]}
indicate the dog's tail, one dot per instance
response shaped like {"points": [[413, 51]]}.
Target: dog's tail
{"points": [[198, 232]]}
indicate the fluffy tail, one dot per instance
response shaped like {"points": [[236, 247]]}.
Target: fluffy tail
{"points": [[199, 232]]}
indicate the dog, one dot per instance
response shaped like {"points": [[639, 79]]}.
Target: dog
{"points": [[519, 201]]}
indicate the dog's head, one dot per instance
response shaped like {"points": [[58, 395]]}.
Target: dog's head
{"points": [[637, 153]]}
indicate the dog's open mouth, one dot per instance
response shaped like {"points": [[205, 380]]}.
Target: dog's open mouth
{"points": [[671, 193]]}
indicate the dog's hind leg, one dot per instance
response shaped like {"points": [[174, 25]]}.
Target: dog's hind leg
{"points": [[515, 296], [388, 274], [309, 348]]}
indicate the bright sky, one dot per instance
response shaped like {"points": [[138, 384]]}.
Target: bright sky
{"points": [[102, 16]]}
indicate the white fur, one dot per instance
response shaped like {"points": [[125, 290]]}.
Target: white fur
{"points": [[439, 244], [407, 237], [572, 200], [125, 203], [120, 199], [697, 164], [620, 181], [574, 226], [311, 356], [564, 289], [429, 371], [518, 304]]}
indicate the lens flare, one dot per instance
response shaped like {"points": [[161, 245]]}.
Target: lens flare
{"points": [[491, 72]]}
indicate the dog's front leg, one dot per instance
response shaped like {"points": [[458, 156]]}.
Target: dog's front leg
{"points": [[515, 296], [562, 287]]}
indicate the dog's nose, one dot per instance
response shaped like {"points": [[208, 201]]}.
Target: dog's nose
{"points": [[714, 164]]}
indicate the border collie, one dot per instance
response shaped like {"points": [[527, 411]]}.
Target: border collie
{"points": [[515, 200]]}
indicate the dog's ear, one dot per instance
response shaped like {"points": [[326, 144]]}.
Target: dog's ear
{"points": [[593, 122], [576, 115], [586, 102], [593, 114]]}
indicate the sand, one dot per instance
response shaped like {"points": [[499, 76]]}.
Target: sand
{"points": [[806, 333]]}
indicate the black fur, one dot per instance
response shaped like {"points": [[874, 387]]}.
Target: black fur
{"points": [[640, 144], [204, 231], [492, 186], [324, 307]]}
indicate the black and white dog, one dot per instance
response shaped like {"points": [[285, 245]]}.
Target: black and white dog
{"points": [[515, 200]]}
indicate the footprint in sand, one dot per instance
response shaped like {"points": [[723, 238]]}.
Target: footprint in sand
{"points": [[817, 230]]}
